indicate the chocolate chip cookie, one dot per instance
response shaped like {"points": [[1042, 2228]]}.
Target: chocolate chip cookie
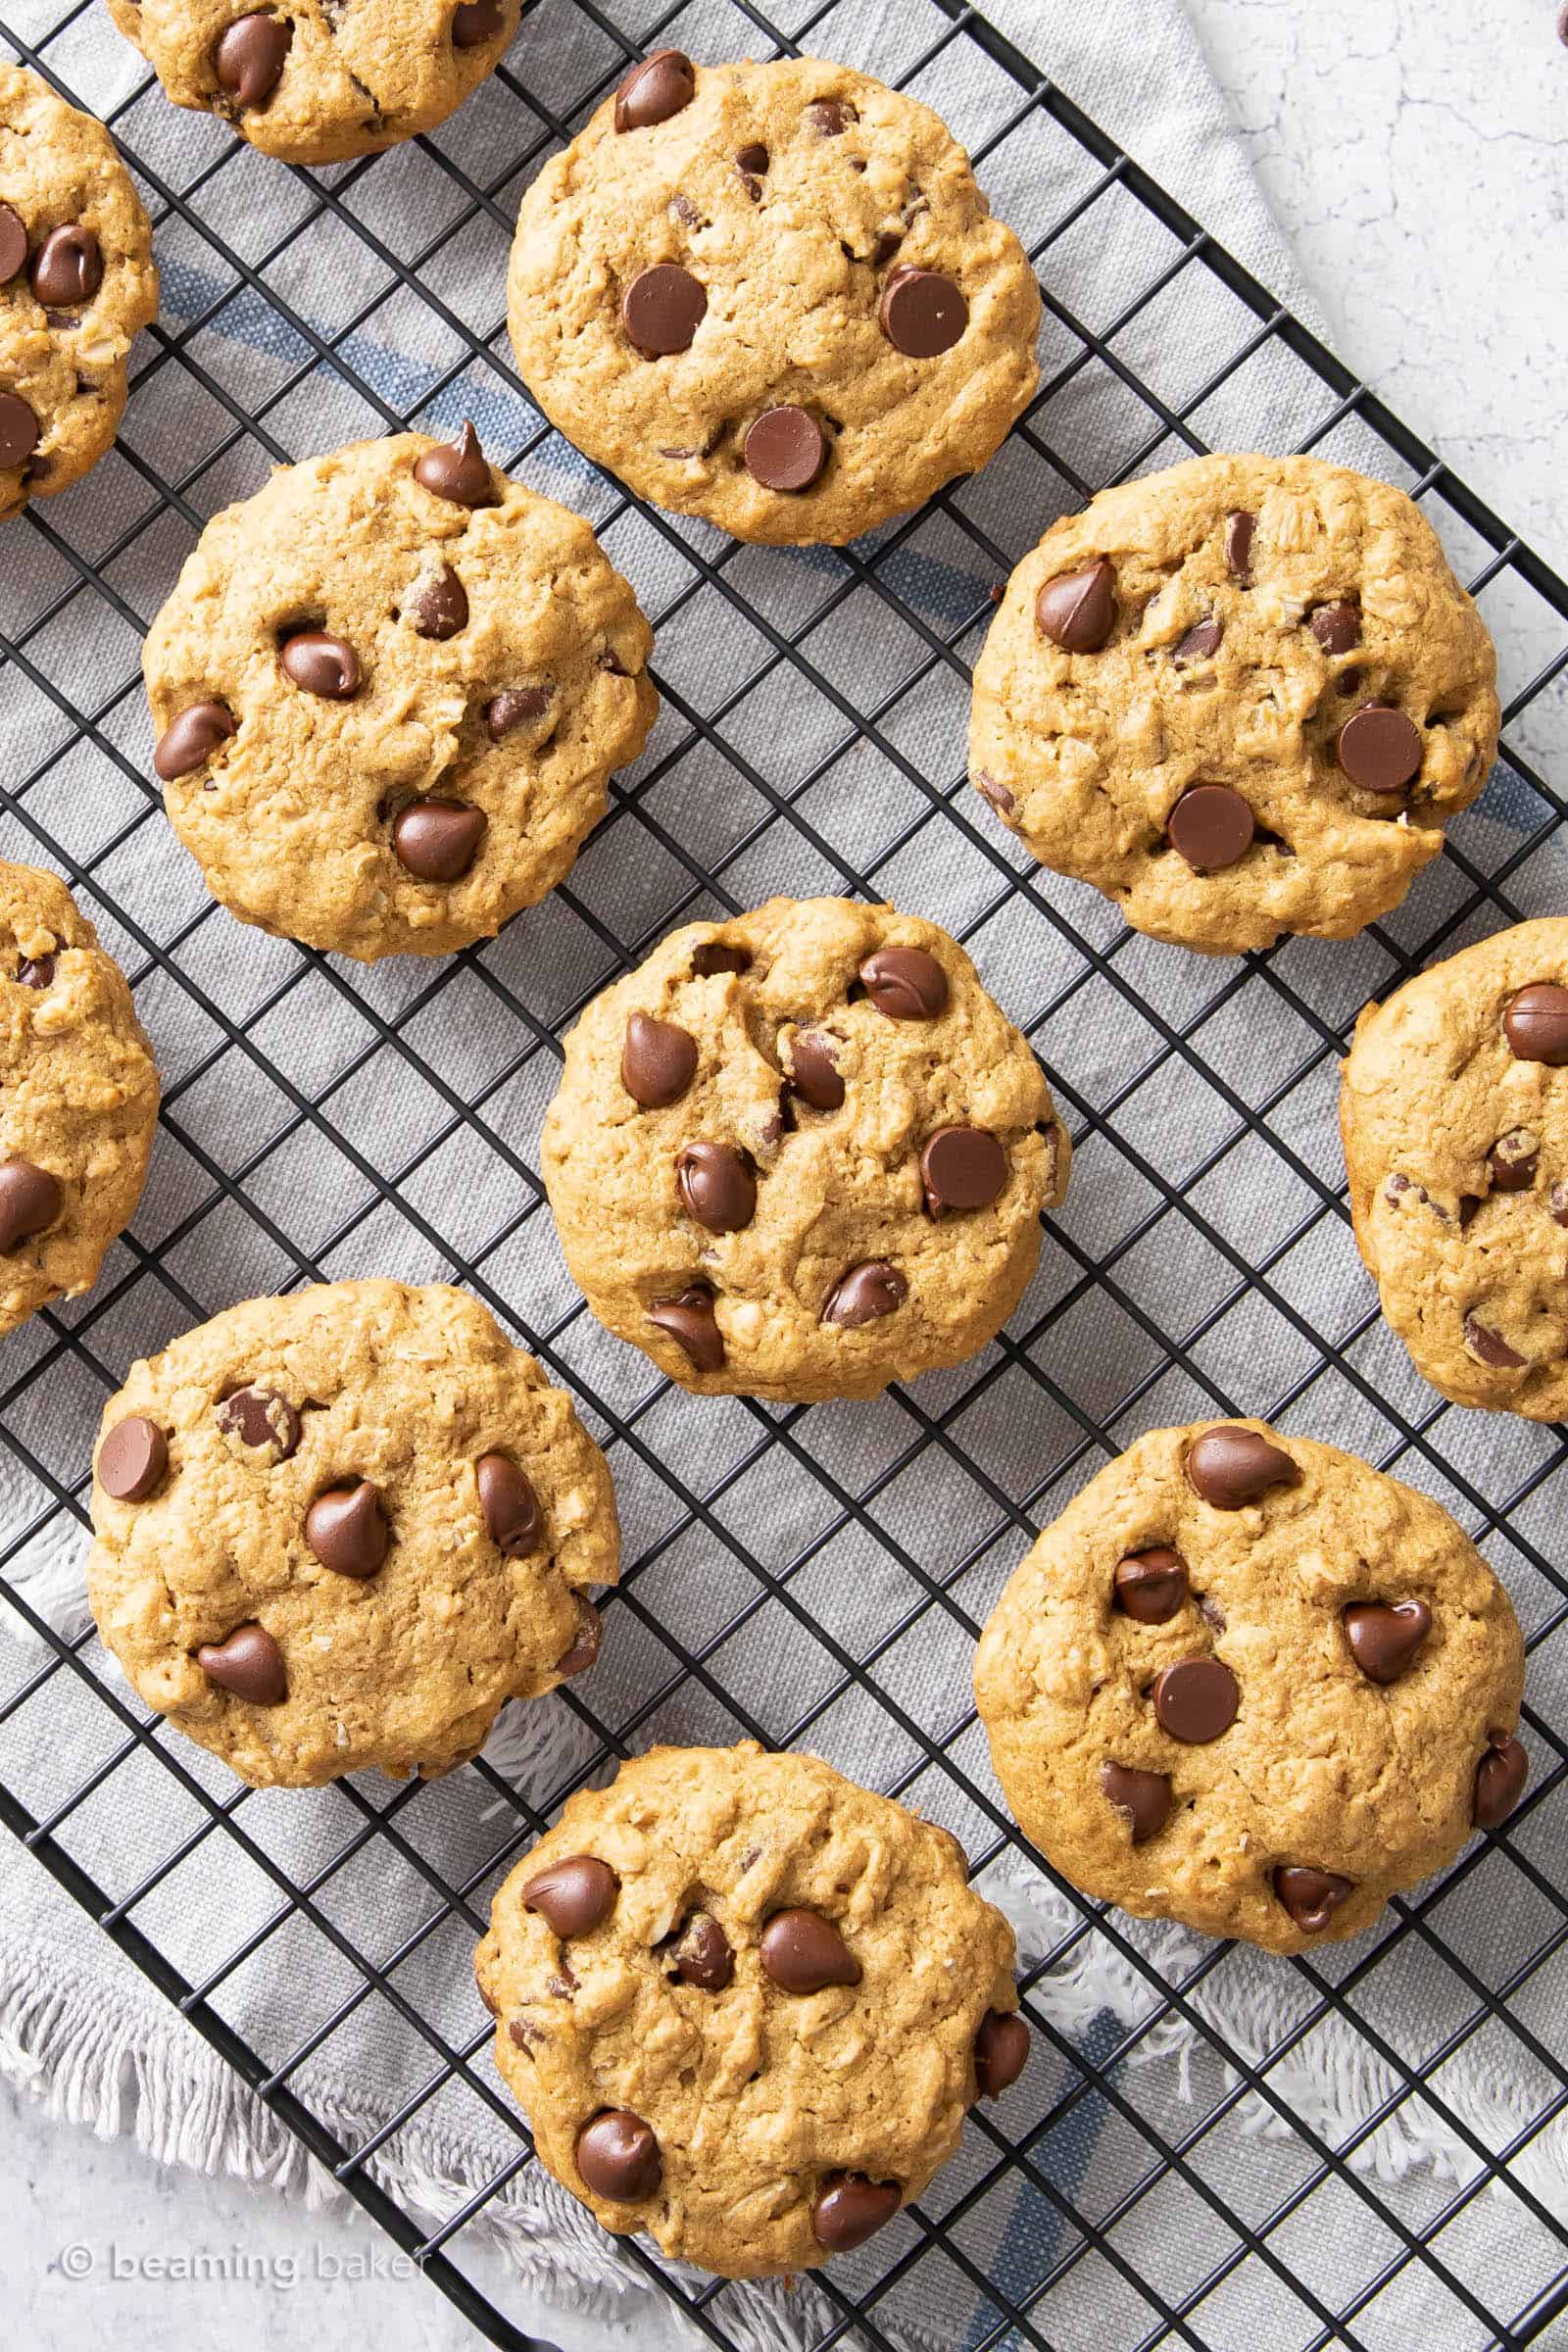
{"points": [[1240, 697], [771, 295], [317, 80], [1248, 1683], [77, 284], [78, 1097], [1454, 1113], [388, 692], [800, 1154], [342, 1528], [745, 2005]]}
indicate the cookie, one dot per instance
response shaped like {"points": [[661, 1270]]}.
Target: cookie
{"points": [[78, 1097], [1240, 697], [343, 1528], [1453, 1108], [800, 1154], [745, 2005], [388, 692], [772, 296], [1248, 1683], [319, 81], [77, 284]]}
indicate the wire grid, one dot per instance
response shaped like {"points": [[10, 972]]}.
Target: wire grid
{"points": [[1177, 1023]]}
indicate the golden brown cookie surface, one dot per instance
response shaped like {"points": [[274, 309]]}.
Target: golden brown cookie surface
{"points": [[1248, 1683], [746, 2004]]}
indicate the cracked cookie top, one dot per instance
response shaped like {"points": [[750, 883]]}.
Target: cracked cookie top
{"points": [[342, 1528], [78, 1097], [773, 296], [1454, 1110], [317, 80], [77, 284], [1241, 696], [389, 690], [746, 2004], [800, 1154], [1249, 1682]]}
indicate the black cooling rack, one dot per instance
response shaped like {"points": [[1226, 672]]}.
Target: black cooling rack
{"points": [[829, 755]]}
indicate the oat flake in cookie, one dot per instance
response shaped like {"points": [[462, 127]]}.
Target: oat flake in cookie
{"points": [[772, 296], [1241, 698], [1248, 1683], [78, 1097], [1454, 1110], [800, 1154], [77, 282], [317, 80], [388, 692], [745, 2005], [342, 1528]]}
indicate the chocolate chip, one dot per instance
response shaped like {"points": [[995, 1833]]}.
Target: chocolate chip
{"points": [[1559, 1203], [1536, 1024], [717, 1187], [864, 1294], [31, 1199], [1150, 1585], [1077, 609], [1239, 529], [802, 1952], [437, 840], [514, 707], [249, 1663], [786, 449], [653, 89], [1201, 640], [1485, 1344], [322, 665], [440, 607], [1143, 1796], [690, 1321], [475, 21], [1336, 627], [1196, 1701], [702, 1954], [509, 1504], [1310, 1896], [1211, 827], [585, 1642], [685, 211], [455, 470], [848, 2209], [618, 2157], [662, 310], [713, 956], [1001, 2052], [13, 241], [1385, 1636], [190, 739], [1001, 798], [962, 1167], [249, 55], [259, 1417], [751, 163], [658, 1062], [572, 1895], [1500, 1778], [347, 1530], [68, 267], [922, 314], [1378, 748], [1231, 1467], [812, 1073], [133, 1459], [905, 984], [1512, 1161], [830, 117], [18, 430], [37, 972]]}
